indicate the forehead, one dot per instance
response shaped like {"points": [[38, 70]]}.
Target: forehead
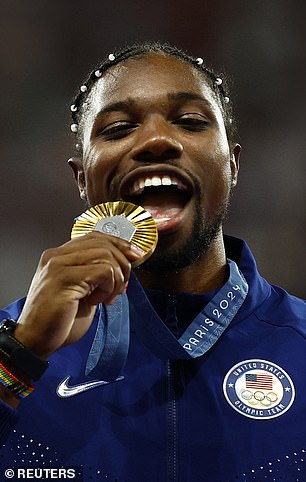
{"points": [[148, 78]]}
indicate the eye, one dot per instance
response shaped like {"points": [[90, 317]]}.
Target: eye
{"points": [[117, 130], [192, 121]]}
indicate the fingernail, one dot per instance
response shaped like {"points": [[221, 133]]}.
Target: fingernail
{"points": [[137, 250]]}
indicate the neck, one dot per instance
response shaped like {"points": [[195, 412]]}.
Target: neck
{"points": [[207, 274]]}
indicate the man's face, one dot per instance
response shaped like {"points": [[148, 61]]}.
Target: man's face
{"points": [[154, 135]]}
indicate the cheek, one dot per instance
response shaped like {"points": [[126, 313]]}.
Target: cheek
{"points": [[216, 178], [96, 177], [103, 168]]}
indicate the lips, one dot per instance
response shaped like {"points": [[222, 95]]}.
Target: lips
{"points": [[163, 192]]}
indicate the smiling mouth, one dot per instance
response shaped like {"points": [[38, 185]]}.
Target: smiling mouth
{"points": [[165, 196]]}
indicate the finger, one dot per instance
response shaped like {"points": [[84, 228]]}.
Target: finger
{"points": [[91, 241], [56, 266], [94, 237]]}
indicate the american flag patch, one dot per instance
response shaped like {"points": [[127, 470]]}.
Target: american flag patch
{"points": [[258, 381]]}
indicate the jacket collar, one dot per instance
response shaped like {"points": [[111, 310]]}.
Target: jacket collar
{"points": [[259, 288]]}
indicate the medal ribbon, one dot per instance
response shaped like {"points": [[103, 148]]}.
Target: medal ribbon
{"points": [[209, 325], [205, 329], [110, 347]]}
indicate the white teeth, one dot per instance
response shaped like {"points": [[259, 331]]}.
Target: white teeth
{"points": [[135, 186], [141, 183], [181, 186], [156, 181], [166, 181]]}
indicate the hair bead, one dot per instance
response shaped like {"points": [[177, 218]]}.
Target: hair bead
{"points": [[215, 82]]}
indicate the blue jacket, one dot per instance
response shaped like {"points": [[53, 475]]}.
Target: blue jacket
{"points": [[237, 413]]}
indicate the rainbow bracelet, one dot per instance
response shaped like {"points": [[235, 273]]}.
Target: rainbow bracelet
{"points": [[11, 382]]}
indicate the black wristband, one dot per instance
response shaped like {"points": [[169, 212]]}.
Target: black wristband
{"points": [[21, 357]]}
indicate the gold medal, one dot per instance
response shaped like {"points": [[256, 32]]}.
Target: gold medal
{"points": [[123, 220]]}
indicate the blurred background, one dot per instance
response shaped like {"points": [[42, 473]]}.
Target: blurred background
{"points": [[47, 48]]}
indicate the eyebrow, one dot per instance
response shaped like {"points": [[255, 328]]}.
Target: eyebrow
{"points": [[121, 106], [188, 96], [126, 105]]}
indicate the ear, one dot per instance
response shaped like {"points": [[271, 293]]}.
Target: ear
{"points": [[77, 167], [235, 150]]}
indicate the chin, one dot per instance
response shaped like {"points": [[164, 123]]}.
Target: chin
{"points": [[170, 258]]}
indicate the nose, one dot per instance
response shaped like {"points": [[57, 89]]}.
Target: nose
{"points": [[156, 143]]}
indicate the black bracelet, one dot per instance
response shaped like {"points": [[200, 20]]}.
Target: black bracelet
{"points": [[17, 354]]}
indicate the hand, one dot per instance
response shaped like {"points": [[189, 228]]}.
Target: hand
{"points": [[68, 284]]}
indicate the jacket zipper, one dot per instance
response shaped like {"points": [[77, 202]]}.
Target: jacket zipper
{"points": [[172, 429]]}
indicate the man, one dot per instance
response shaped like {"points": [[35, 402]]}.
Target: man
{"points": [[207, 388]]}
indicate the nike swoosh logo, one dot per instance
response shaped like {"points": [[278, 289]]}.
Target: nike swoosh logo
{"points": [[65, 391]]}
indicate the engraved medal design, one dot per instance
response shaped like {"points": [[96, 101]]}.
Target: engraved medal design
{"points": [[123, 220], [259, 389]]}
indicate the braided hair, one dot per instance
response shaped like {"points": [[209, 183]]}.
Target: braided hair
{"points": [[216, 83]]}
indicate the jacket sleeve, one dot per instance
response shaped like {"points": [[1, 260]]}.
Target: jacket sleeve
{"points": [[8, 415], [13, 310], [8, 420]]}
